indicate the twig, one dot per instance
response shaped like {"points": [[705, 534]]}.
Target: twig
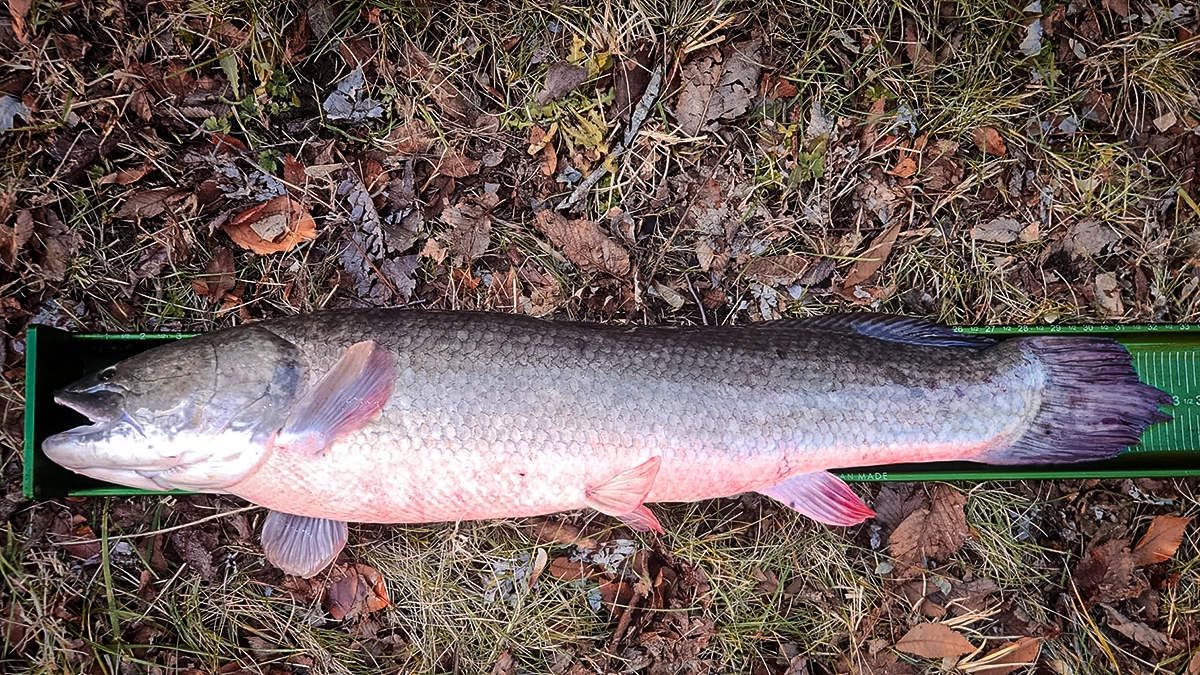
{"points": [[164, 530], [635, 123]]}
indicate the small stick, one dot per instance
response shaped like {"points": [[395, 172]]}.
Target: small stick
{"points": [[164, 530]]}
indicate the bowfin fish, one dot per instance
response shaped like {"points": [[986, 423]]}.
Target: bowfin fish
{"points": [[403, 416]]}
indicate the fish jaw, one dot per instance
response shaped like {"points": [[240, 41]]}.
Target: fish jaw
{"points": [[115, 448]]}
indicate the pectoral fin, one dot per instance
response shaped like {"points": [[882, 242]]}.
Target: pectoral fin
{"points": [[302, 546], [823, 497], [346, 399], [623, 494]]}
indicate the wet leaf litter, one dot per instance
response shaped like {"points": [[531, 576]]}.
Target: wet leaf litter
{"points": [[753, 221]]}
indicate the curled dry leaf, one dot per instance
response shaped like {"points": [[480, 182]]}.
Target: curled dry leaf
{"points": [[1139, 632], [355, 590], [19, 11], [1105, 573], [82, 544], [13, 238], [873, 259], [584, 243], [274, 226], [934, 641], [988, 141], [149, 203], [471, 223], [553, 531], [1161, 540]]}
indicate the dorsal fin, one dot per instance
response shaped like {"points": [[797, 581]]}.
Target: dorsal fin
{"points": [[891, 327]]}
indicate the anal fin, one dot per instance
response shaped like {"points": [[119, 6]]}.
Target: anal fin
{"points": [[346, 399], [302, 546], [821, 496], [642, 519]]}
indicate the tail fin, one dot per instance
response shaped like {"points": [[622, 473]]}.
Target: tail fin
{"points": [[1094, 406]]}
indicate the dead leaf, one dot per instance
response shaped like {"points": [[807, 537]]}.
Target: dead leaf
{"points": [[415, 64], [82, 543], [456, 165], [14, 237], [920, 56], [1161, 540], [355, 590], [785, 270], [553, 531], [937, 532], [998, 231], [988, 141], [19, 11], [1121, 7], [561, 79], [70, 47], [505, 665], [934, 641], [218, 276], [718, 84], [1105, 573], [631, 76], [1108, 295], [59, 244], [471, 227], [1140, 633], [371, 255], [127, 176], [944, 169], [411, 138], [584, 243], [906, 167], [148, 203], [1089, 238], [565, 569], [274, 226], [1006, 658], [1165, 121], [294, 173], [874, 258]]}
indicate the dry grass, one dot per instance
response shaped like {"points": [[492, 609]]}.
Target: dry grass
{"points": [[832, 600]]}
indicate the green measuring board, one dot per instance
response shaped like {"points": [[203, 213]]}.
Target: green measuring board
{"points": [[1166, 356]]}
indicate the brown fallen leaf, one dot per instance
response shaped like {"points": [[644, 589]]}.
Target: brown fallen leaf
{"points": [[584, 243], [126, 176], [1121, 7], [906, 167], [411, 138], [456, 165], [355, 590], [273, 226], [293, 172], [416, 65], [630, 77], [988, 141], [934, 641], [997, 231], [553, 531], [1140, 633], [505, 665], [1161, 540], [718, 84], [1006, 658], [82, 543], [148, 203], [565, 569], [13, 238], [19, 11], [1105, 573], [59, 244], [471, 227], [561, 79], [218, 276], [937, 532], [785, 270], [874, 258]]}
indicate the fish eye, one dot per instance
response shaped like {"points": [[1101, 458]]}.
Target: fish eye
{"points": [[107, 374]]}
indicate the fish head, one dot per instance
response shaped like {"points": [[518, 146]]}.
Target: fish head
{"points": [[197, 414]]}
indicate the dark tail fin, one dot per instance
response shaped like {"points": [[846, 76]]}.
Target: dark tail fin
{"points": [[1094, 406]]}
